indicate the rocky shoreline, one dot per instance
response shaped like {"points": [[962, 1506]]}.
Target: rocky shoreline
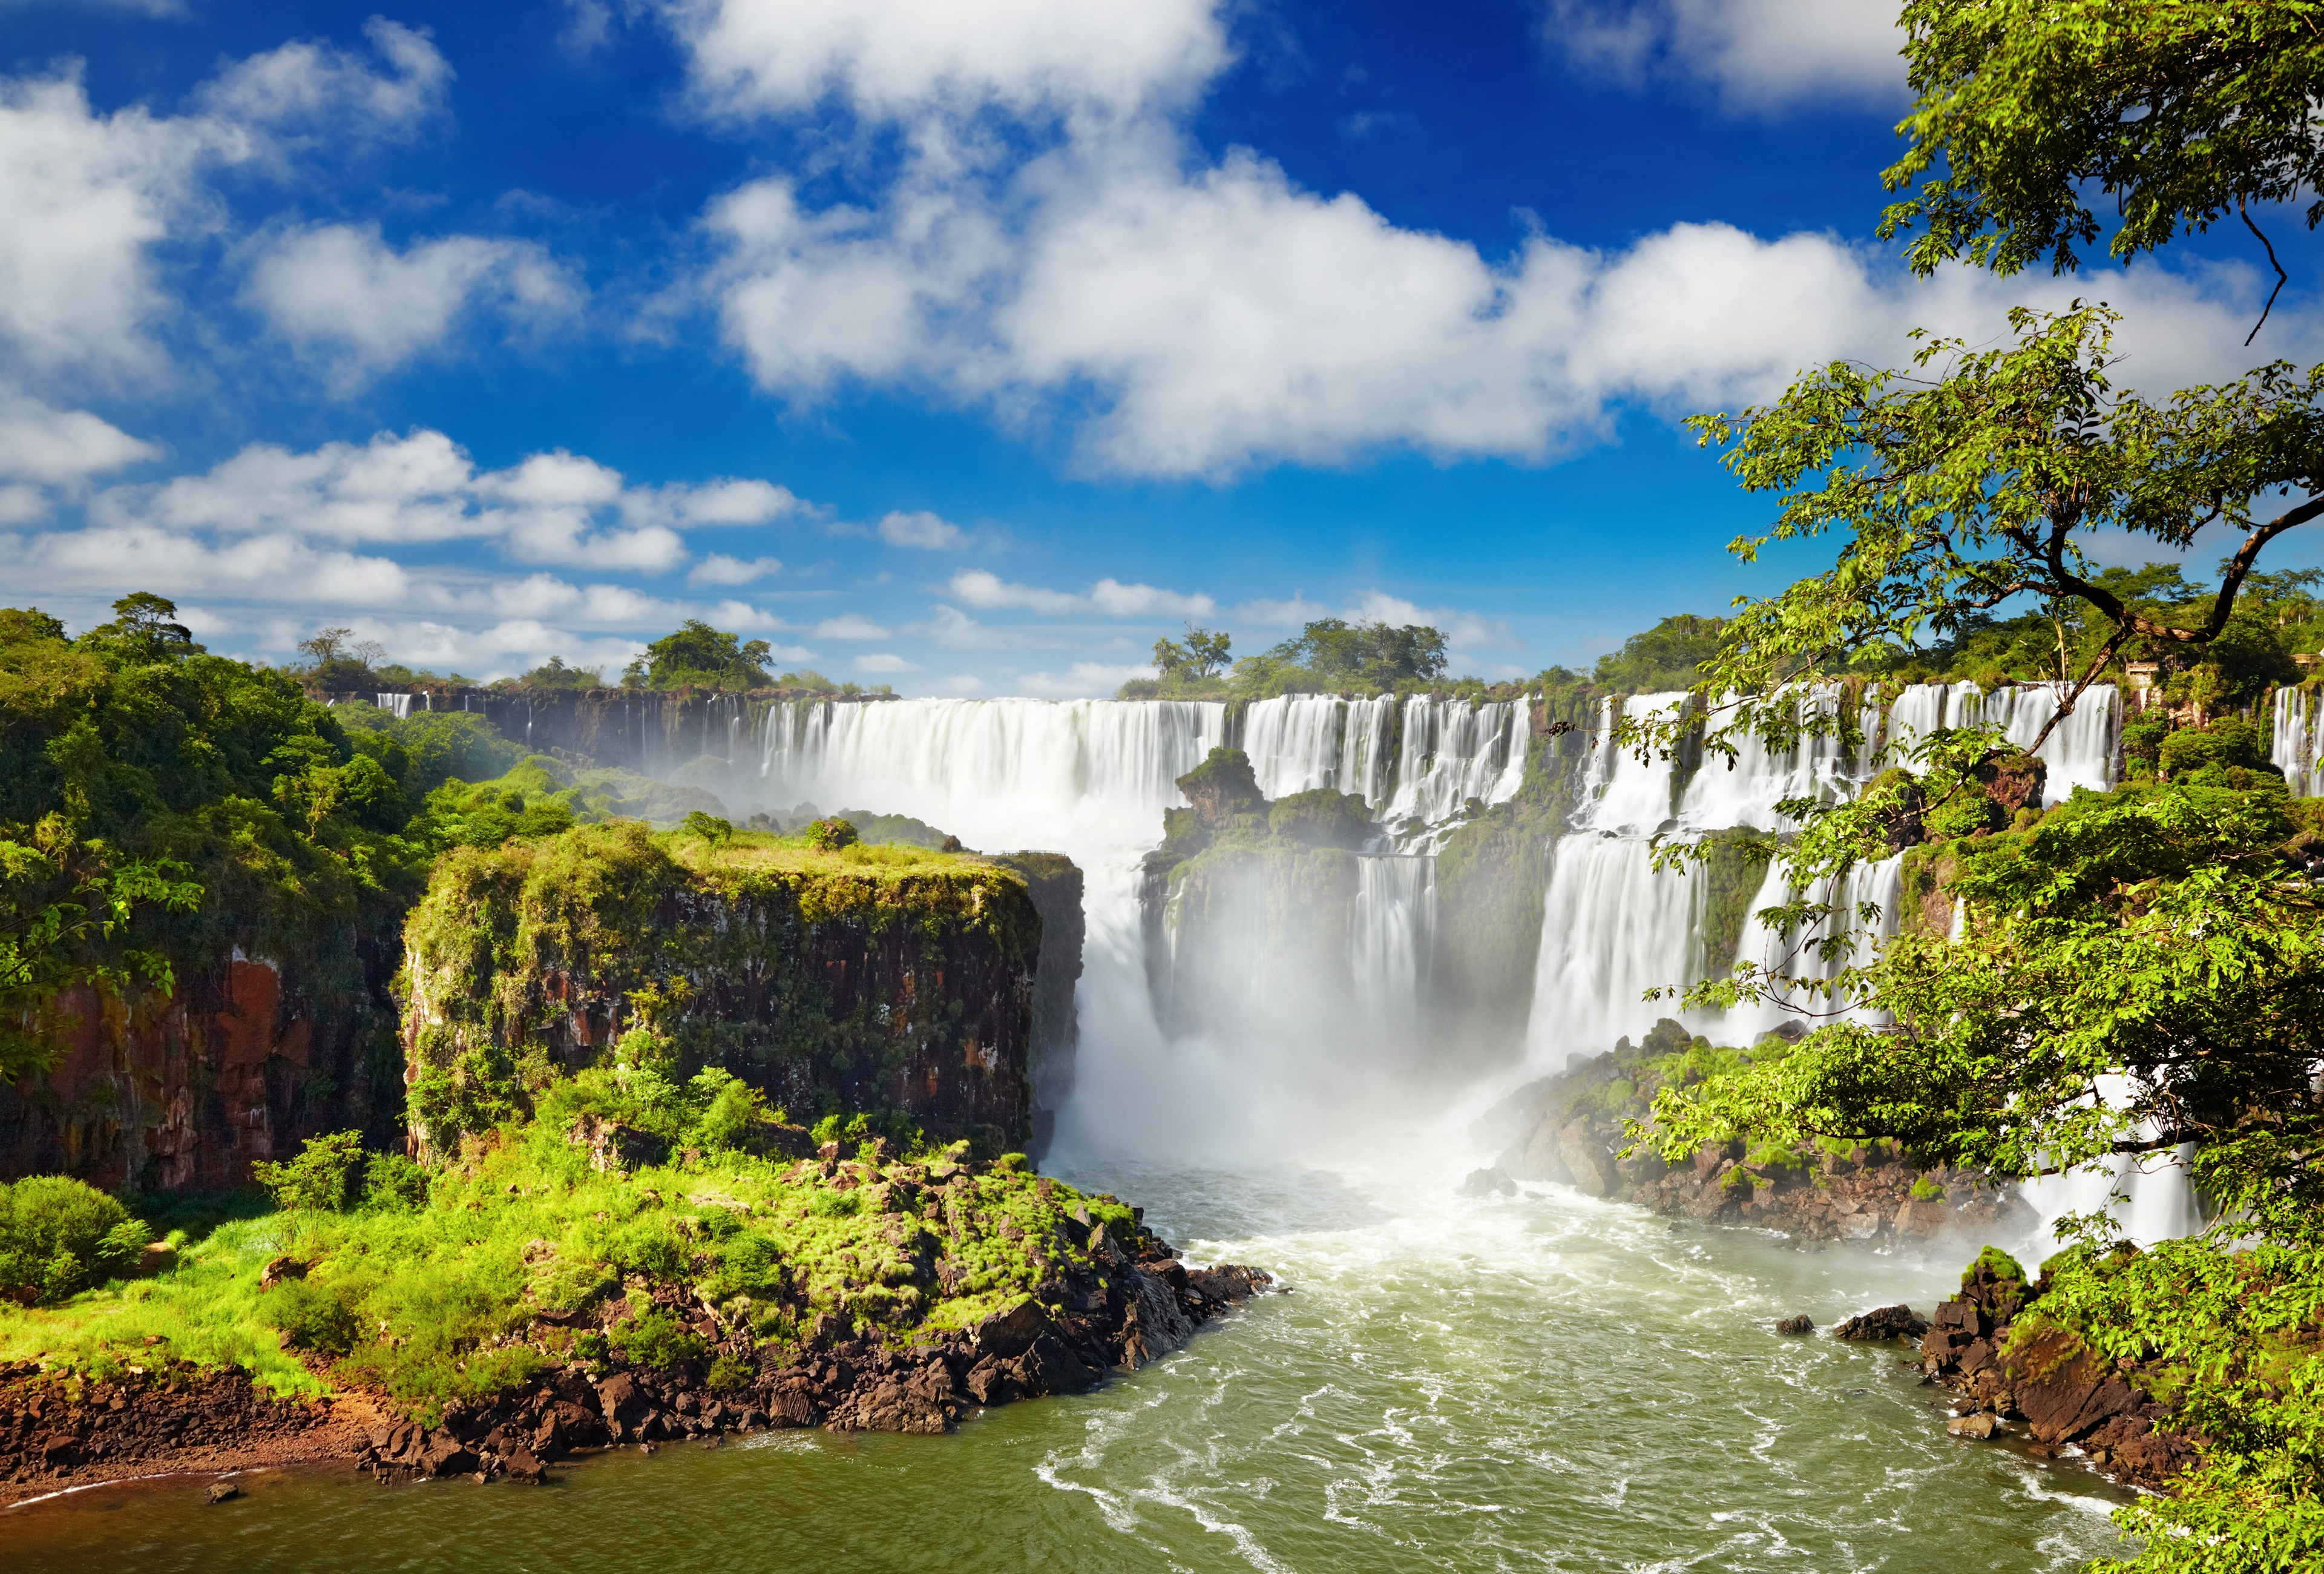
{"points": [[59, 1429], [2062, 1394]]}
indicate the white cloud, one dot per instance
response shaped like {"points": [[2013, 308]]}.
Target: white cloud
{"points": [[1463, 630], [1759, 53], [1291, 613], [86, 194], [916, 57], [1084, 679], [961, 683], [1108, 597], [920, 528], [310, 91], [849, 626], [718, 568], [39, 442], [339, 291], [1198, 317], [556, 507], [883, 661], [89, 196], [728, 502]]}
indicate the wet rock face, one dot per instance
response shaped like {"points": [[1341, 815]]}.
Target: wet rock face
{"points": [[2062, 1394], [245, 1062]]}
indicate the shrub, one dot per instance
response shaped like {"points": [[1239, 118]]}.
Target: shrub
{"points": [[312, 1317], [655, 1338], [58, 1235], [730, 1375], [832, 834], [392, 1181], [318, 1178]]}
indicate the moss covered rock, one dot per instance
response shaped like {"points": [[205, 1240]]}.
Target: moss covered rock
{"points": [[860, 978]]}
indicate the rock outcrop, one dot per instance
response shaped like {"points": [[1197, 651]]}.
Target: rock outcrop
{"points": [[901, 983], [1569, 1130], [2063, 1395], [244, 1062]]}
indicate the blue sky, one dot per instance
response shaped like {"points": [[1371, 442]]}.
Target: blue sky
{"points": [[966, 347]]}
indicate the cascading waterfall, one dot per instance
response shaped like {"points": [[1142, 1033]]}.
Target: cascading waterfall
{"points": [[1456, 750], [1615, 926], [2293, 746], [1388, 938], [401, 704]]}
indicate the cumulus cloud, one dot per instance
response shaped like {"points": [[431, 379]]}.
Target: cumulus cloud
{"points": [[39, 442], [718, 568], [1107, 597], [1759, 53], [849, 626], [1200, 316], [89, 196], [1083, 679], [920, 528], [882, 662], [340, 292], [914, 57], [310, 90], [556, 507]]}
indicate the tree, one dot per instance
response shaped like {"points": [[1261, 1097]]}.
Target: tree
{"points": [[1338, 653], [335, 662], [700, 656], [1667, 656], [1203, 654], [320, 1178]]}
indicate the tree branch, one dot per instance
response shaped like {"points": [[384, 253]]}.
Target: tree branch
{"points": [[2281, 276]]}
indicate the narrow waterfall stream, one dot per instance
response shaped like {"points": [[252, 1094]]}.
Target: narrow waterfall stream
{"points": [[1534, 1381]]}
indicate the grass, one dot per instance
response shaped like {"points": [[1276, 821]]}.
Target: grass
{"points": [[447, 1300]]}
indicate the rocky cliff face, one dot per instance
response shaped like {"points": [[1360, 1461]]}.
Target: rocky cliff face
{"points": [[872, 979], [1055, 886], [182, 1092], [1569, 1130]]}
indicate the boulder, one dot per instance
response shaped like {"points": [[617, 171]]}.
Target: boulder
{"points": [[614, 1148], [278, 1269], [1010, 1333], [221, 1492], [625, 1405], [1979, 1426], [1885, 1323], [1586, 1159], [1492, 1182], [1801, 1324]]}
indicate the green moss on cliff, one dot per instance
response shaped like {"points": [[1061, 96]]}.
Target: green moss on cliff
{"points": [[752, 952], [1735, 865]]}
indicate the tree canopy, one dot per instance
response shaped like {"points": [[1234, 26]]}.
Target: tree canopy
{"points": [[698, 656]]}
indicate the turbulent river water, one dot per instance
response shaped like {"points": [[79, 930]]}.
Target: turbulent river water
{"points": [[1543, 1381]]}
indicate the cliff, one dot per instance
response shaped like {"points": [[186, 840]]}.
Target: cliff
{"points": [[866, 980], [183, 1091], [1055, 886]]}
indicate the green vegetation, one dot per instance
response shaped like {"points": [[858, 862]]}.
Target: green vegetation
{"points": [[700, 656], [1330, 655], [58, 1235], [465, 1291]]}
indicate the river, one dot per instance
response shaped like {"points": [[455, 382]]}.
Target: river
{"points": [[1536, 1383]]}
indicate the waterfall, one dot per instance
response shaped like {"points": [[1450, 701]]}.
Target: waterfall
{"points": [[1880, 884], [1744, 792], [1299, 742], [1455, 750], [1613, 926], [399, 703], [2293, 746], [1389, 940], [2081, 752], [1623, 790]]}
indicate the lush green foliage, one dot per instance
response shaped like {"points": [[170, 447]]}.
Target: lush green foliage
{"points": [[1667, 656], [1202, 652], [160, 806], [445, 1297], [2176, 113], [320, 1177], [58, 1235], [700, 656]]}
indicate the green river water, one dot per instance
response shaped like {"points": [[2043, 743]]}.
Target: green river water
{"points": [[1538, 1383]]}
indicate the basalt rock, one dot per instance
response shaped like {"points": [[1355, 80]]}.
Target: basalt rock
{"points": [[2064, 1394], [1885, 1323]]}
